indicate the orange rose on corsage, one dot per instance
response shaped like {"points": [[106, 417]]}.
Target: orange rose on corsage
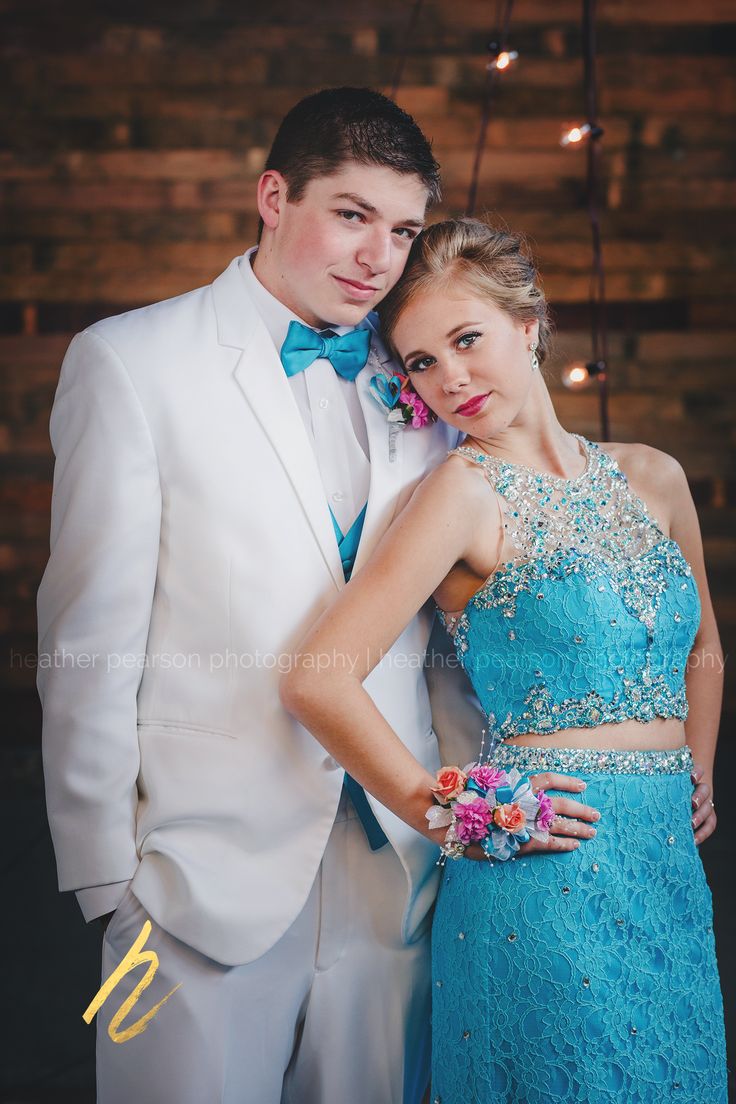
{"points": [[450, 783], [509, 817]]}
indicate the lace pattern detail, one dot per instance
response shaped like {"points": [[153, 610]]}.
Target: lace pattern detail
{"points": [[569, 978]]}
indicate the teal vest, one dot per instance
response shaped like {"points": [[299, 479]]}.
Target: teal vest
{"points": [[348, 545]]}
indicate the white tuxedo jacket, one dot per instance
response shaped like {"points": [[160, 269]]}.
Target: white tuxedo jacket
{"points": [[191, 549]]}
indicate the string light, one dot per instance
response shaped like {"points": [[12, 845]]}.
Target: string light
{"points": [[503, 59], [575, 135], [577, 375]]}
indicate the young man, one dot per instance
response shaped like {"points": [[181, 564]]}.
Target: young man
{"points": [[219, 461]]}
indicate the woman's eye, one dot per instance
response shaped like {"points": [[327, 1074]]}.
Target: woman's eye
{"points": [[420, 364], [467, 339]]}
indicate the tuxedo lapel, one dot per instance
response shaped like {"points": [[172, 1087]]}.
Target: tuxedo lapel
{"points": [[263, 383], [386, 448]]}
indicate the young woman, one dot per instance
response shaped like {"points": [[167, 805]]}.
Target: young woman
{"points": [[571, 578]]}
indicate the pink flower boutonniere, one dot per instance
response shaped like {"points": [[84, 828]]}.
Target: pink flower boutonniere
{"points": [[397, 396]]}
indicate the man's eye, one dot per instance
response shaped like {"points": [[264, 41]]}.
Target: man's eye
{"points": [[467, 339], [406, 232], [350, 216]]}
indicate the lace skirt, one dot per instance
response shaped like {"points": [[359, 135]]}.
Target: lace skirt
{"points": [[586, 977]]}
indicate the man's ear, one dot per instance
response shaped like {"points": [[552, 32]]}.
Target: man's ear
{"points": [[271, 196]]}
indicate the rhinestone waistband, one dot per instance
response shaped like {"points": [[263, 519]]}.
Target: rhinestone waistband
{"points": [[529, 760]]}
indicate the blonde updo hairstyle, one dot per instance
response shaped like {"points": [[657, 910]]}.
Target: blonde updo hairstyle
{"points": [[494, 263]]}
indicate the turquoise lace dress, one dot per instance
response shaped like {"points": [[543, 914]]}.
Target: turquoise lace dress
{"points": [[587, 977]]}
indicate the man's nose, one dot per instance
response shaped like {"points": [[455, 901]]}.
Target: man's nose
{"points": [[375, 250]]}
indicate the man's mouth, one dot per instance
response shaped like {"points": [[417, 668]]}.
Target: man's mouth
{"points": [[472, 406], [357, 288]]}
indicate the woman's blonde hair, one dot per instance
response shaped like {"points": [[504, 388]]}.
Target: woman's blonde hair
{"points": [[495, 263]]}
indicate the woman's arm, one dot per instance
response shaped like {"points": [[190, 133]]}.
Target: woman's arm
{"points": [[324, 688], [704, 677]]}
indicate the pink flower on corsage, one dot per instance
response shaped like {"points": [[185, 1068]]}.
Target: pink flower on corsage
{"points": [[546, 813], [472, 817], [398, 397], [487, 777]]}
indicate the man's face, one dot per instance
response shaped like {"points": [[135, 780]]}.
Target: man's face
{"points": [[334, 254]]}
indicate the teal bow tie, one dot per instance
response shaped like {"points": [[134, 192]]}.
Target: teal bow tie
{"points": [[347, 354]]}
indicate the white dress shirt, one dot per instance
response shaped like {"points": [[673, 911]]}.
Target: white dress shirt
{"points": [[329, 406]]}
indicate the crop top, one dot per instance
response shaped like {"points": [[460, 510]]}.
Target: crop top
{"points": [[593, 617]]}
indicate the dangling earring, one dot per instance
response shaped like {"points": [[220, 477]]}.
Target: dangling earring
{"points": [[535, 358]]}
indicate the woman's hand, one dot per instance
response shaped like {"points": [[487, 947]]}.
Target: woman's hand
{"points": [[704, 811], [573, 822]]}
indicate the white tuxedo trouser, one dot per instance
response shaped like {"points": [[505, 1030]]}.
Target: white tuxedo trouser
{"points": [[337, 1012]]}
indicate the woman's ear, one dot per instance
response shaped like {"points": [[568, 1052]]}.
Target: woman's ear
{"points": [[531, 331], [271, 195]]}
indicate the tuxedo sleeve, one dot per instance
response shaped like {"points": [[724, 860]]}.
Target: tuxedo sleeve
{"points": [[97, 901], [94, 609]]}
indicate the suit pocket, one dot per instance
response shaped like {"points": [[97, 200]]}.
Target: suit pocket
{"points": [[184, 728]]}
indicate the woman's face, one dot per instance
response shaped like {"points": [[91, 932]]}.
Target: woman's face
{"points": [[466, 358]]}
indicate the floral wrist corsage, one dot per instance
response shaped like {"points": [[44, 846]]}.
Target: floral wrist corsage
{"points": [[398, 397], [483, 803]]}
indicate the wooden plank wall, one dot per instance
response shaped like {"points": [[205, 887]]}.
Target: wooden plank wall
{"points": [[133, 134]]}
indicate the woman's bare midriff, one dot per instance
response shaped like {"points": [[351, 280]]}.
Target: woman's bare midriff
{"points": [[661, 734]]}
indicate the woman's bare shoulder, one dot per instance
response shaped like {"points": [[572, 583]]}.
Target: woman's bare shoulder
{"points": [[455, 480]]}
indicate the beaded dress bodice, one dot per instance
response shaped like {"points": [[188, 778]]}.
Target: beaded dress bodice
{"points": [[592, 616]]}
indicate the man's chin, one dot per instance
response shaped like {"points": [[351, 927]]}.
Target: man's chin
{"points": [[349, 314]]}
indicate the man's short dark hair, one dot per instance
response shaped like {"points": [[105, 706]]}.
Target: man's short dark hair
{"points": [[336, 125]]}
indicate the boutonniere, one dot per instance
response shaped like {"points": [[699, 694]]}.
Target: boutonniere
{"points": [[397, 396]]}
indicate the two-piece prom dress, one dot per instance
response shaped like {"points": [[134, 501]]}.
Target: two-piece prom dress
{"points": [[586, 977]]}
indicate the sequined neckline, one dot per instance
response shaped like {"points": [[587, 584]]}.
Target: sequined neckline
{"points": [[586, 449]]}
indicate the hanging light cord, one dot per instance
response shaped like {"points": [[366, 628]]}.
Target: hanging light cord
{"points": [[410, 28], [598, 321], [492, 74]]}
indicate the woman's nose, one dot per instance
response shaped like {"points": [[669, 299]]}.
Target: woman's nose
{"points": [[455, 376]]}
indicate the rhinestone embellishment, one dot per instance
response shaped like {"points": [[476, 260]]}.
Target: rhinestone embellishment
{"points": [[566, 538]]}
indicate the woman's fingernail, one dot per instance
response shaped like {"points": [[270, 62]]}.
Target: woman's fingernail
{"points": [[593, 832], [695, 822], [596, 815], [582, 785], [696, 802]]}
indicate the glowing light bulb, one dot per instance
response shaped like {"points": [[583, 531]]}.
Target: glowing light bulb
{"points": [[503, 60], [577, 375], [575, 135]]}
